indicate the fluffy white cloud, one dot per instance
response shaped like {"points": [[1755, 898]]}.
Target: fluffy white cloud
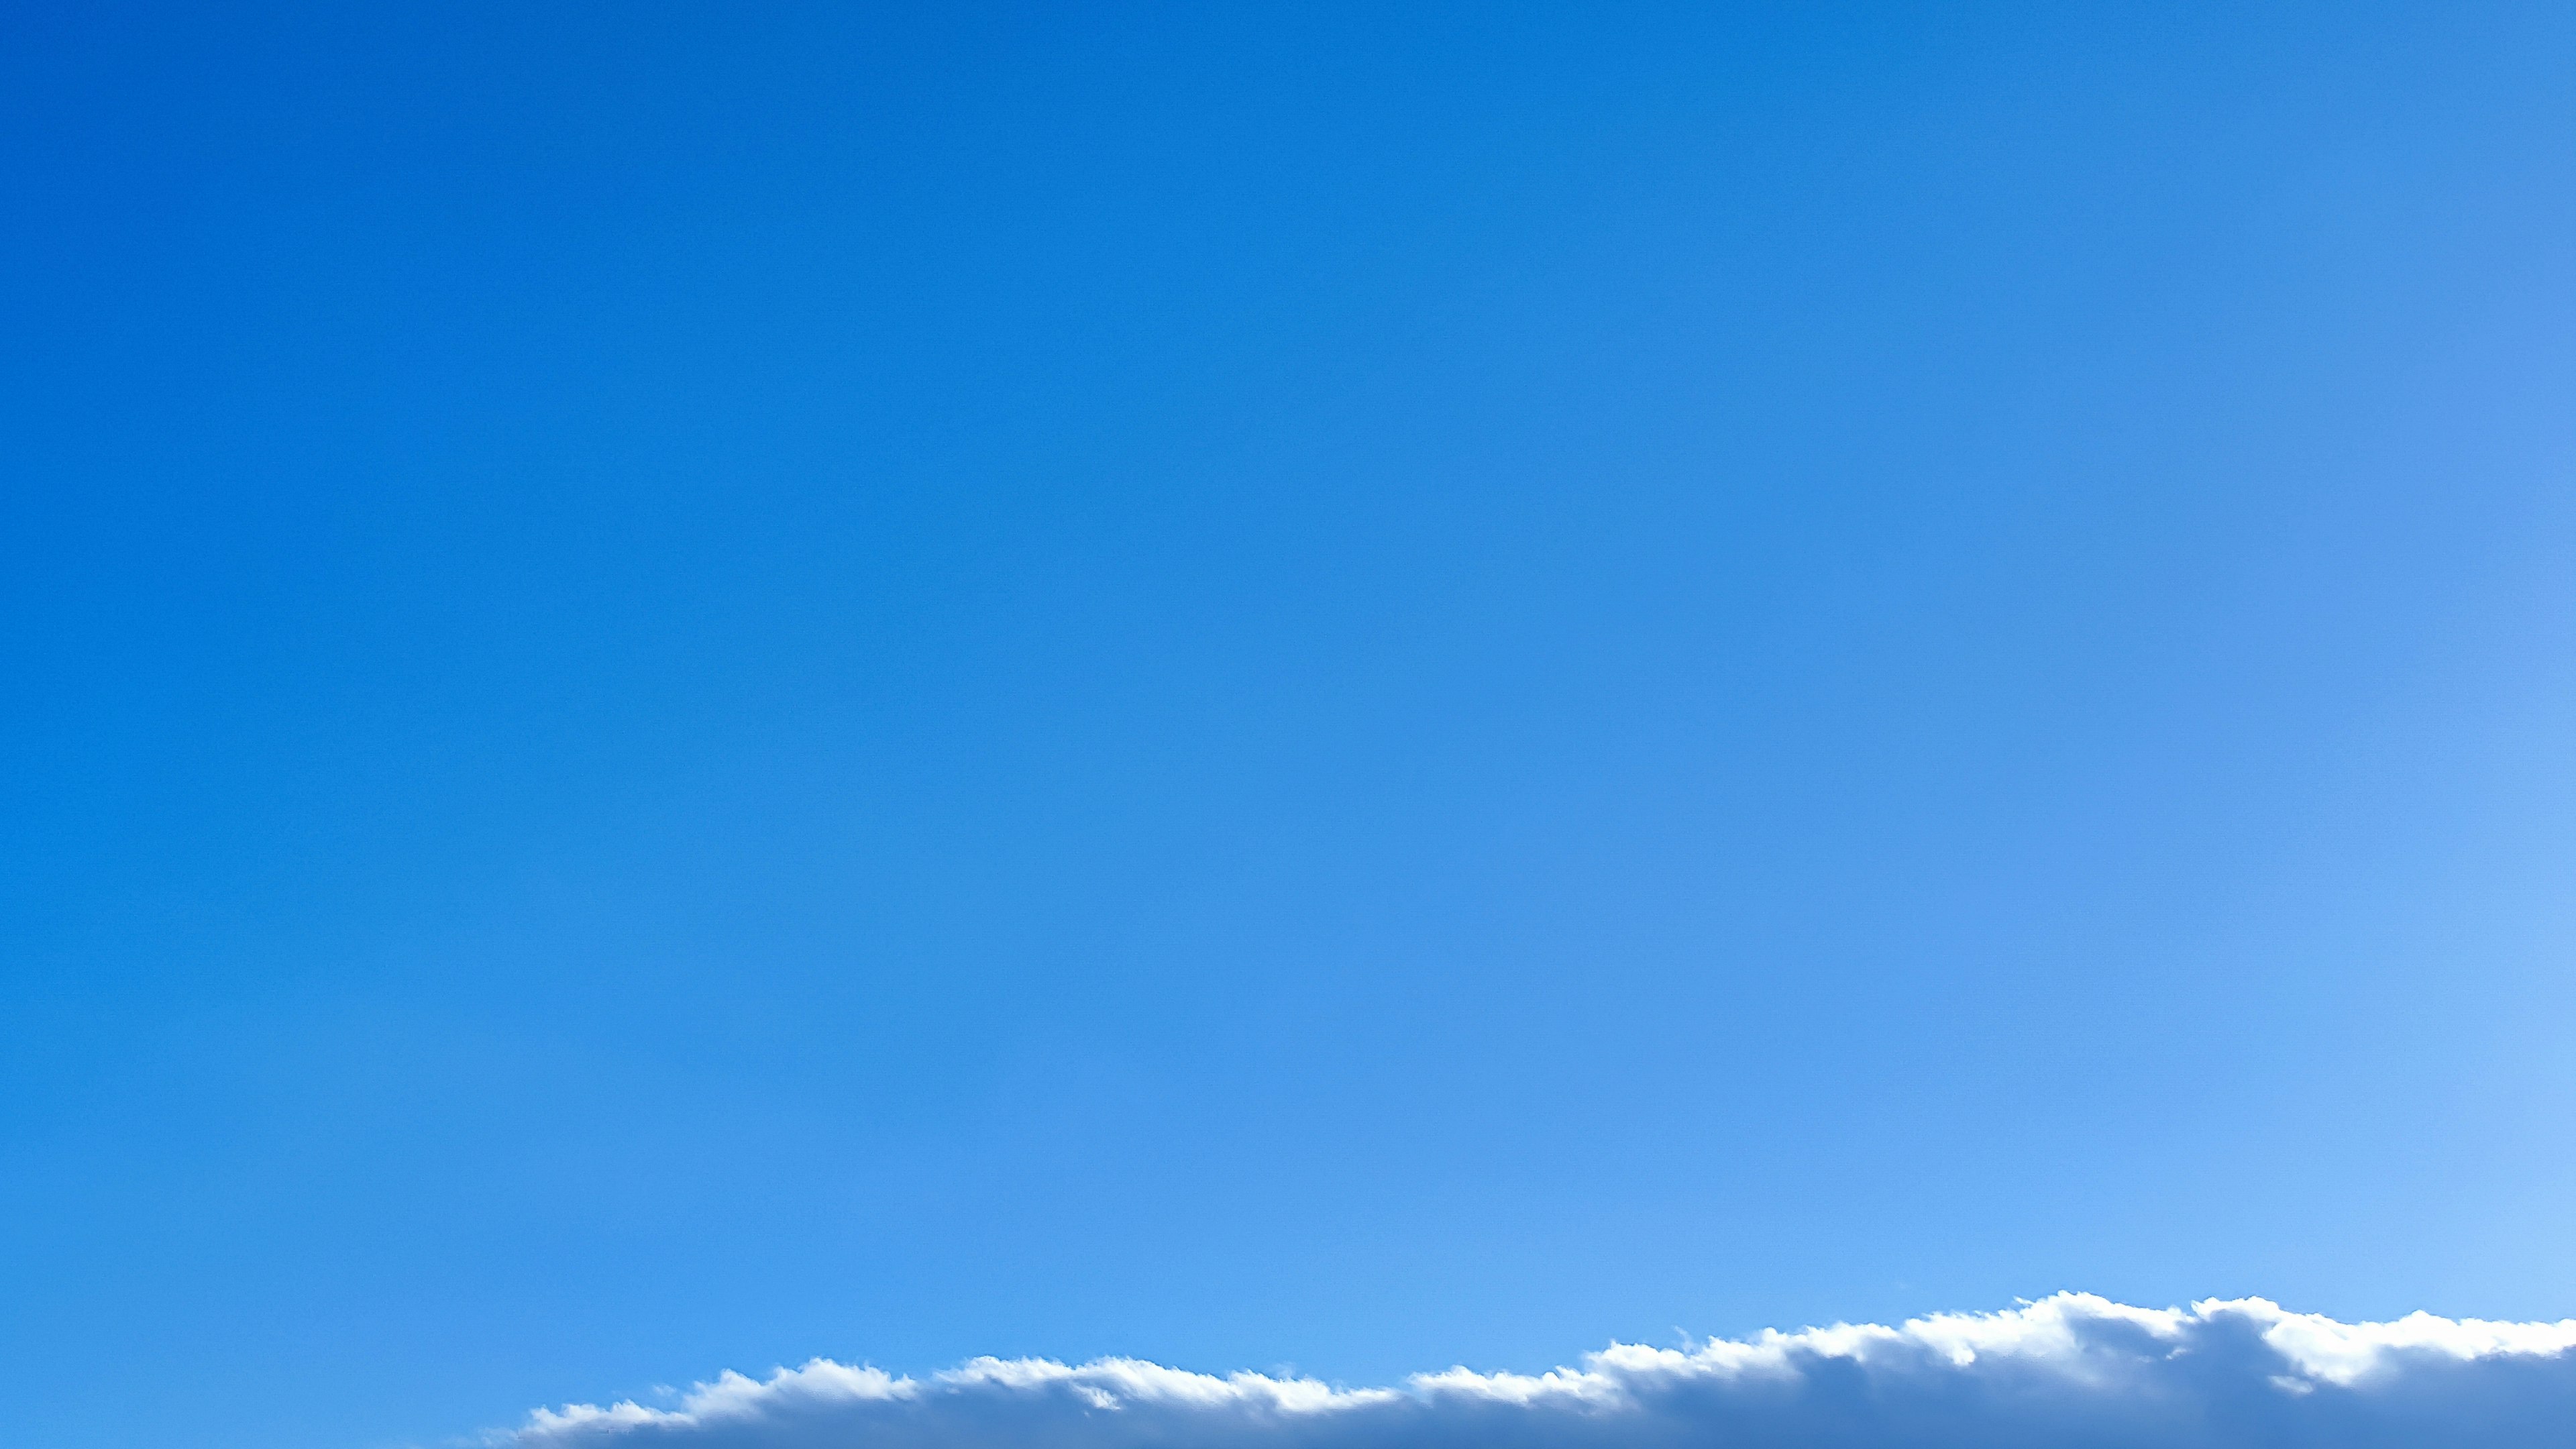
{"points": [[2069, 1372]]}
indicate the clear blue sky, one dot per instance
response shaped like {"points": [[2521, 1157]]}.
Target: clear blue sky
{"points": [[694, 685]]}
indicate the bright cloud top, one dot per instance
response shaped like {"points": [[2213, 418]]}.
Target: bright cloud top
{"points": [[2070, 1372]]}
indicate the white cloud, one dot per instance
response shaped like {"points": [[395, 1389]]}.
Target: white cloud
{"points": [[2069, 1372]]}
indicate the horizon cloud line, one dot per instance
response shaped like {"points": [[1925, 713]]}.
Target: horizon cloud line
{"points": [[2072, 1369]]}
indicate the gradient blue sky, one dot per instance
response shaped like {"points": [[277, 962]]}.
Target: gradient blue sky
{"points": [[1358, 688]]}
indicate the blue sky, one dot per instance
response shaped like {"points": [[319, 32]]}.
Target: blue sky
{"points": [[1343, 691]]}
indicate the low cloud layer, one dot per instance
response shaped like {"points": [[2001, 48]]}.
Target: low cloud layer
{"points": [[2069, 1372]]}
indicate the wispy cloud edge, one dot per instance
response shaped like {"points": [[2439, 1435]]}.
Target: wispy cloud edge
{"points": [[2073, 1369]]}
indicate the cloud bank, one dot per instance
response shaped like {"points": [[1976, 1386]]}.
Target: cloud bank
{"points": [[2069, 1372]]}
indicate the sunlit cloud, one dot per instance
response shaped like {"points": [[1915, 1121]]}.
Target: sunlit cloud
{"points": [[2066, 1372]]}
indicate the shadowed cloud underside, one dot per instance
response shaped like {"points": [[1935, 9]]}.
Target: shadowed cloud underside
{"points": [[2071, 1370]]}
